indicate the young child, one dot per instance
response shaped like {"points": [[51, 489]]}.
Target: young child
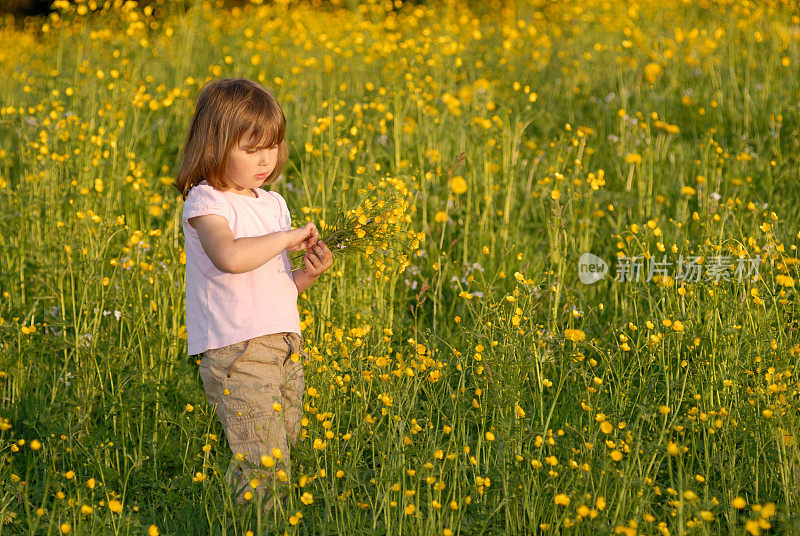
{"points": [[241, 296]]}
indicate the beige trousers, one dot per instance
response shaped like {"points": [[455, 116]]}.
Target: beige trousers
{"points": [[257, 391]]}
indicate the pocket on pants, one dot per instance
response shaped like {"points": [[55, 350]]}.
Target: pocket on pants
{"points": [[253, 424], [253, 420], [216, 368], [225, 360]]}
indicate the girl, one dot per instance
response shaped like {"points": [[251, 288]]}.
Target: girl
{"points": [[241, 295]]}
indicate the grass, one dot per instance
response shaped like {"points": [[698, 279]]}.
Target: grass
{"points": [[480, 388]]}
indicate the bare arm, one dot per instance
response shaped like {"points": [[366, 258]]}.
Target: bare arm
{"points": [[302, 280], [236, 255], [318, 258]]}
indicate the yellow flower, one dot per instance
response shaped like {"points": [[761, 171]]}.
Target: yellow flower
{"points": [[738, 503], [561, 499], [666, 127], [152, 530], [688, 190], [633, 158], [555, 195], [35, 444], [606, 427], [574, 335], [752, 526], [596, 182], [440, 217], [458, 185], [115, 506], [651, 71], [520, 412], [66, 528], [489, 436], [410, 509]]}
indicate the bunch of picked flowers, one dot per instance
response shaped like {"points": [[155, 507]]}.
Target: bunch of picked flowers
{"points": [[376, 227]]}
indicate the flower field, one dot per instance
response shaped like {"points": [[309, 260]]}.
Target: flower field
{"points": [[490, 379]]}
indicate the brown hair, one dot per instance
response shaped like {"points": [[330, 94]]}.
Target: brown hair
{"points": [[226, 110]]}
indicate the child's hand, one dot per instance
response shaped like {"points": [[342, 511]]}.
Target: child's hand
{"points": [[303, 237], [318, 259]]}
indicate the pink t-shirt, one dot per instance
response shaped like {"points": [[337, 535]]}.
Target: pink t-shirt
{"points": [[224, 308]]}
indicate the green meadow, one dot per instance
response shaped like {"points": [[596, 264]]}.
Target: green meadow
{"points": [[483, 384]]}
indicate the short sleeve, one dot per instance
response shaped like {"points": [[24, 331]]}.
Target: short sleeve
{"points": [[204, 199], [286, 216]]}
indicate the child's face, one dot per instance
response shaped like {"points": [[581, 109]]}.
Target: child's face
{"points": [[249, 166]]}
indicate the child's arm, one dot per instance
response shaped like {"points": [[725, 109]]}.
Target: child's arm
{"points": [[239, 255], [318, 258], [302, 280]]}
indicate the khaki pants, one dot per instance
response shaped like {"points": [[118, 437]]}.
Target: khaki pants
{"points": [[257, 391]]}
